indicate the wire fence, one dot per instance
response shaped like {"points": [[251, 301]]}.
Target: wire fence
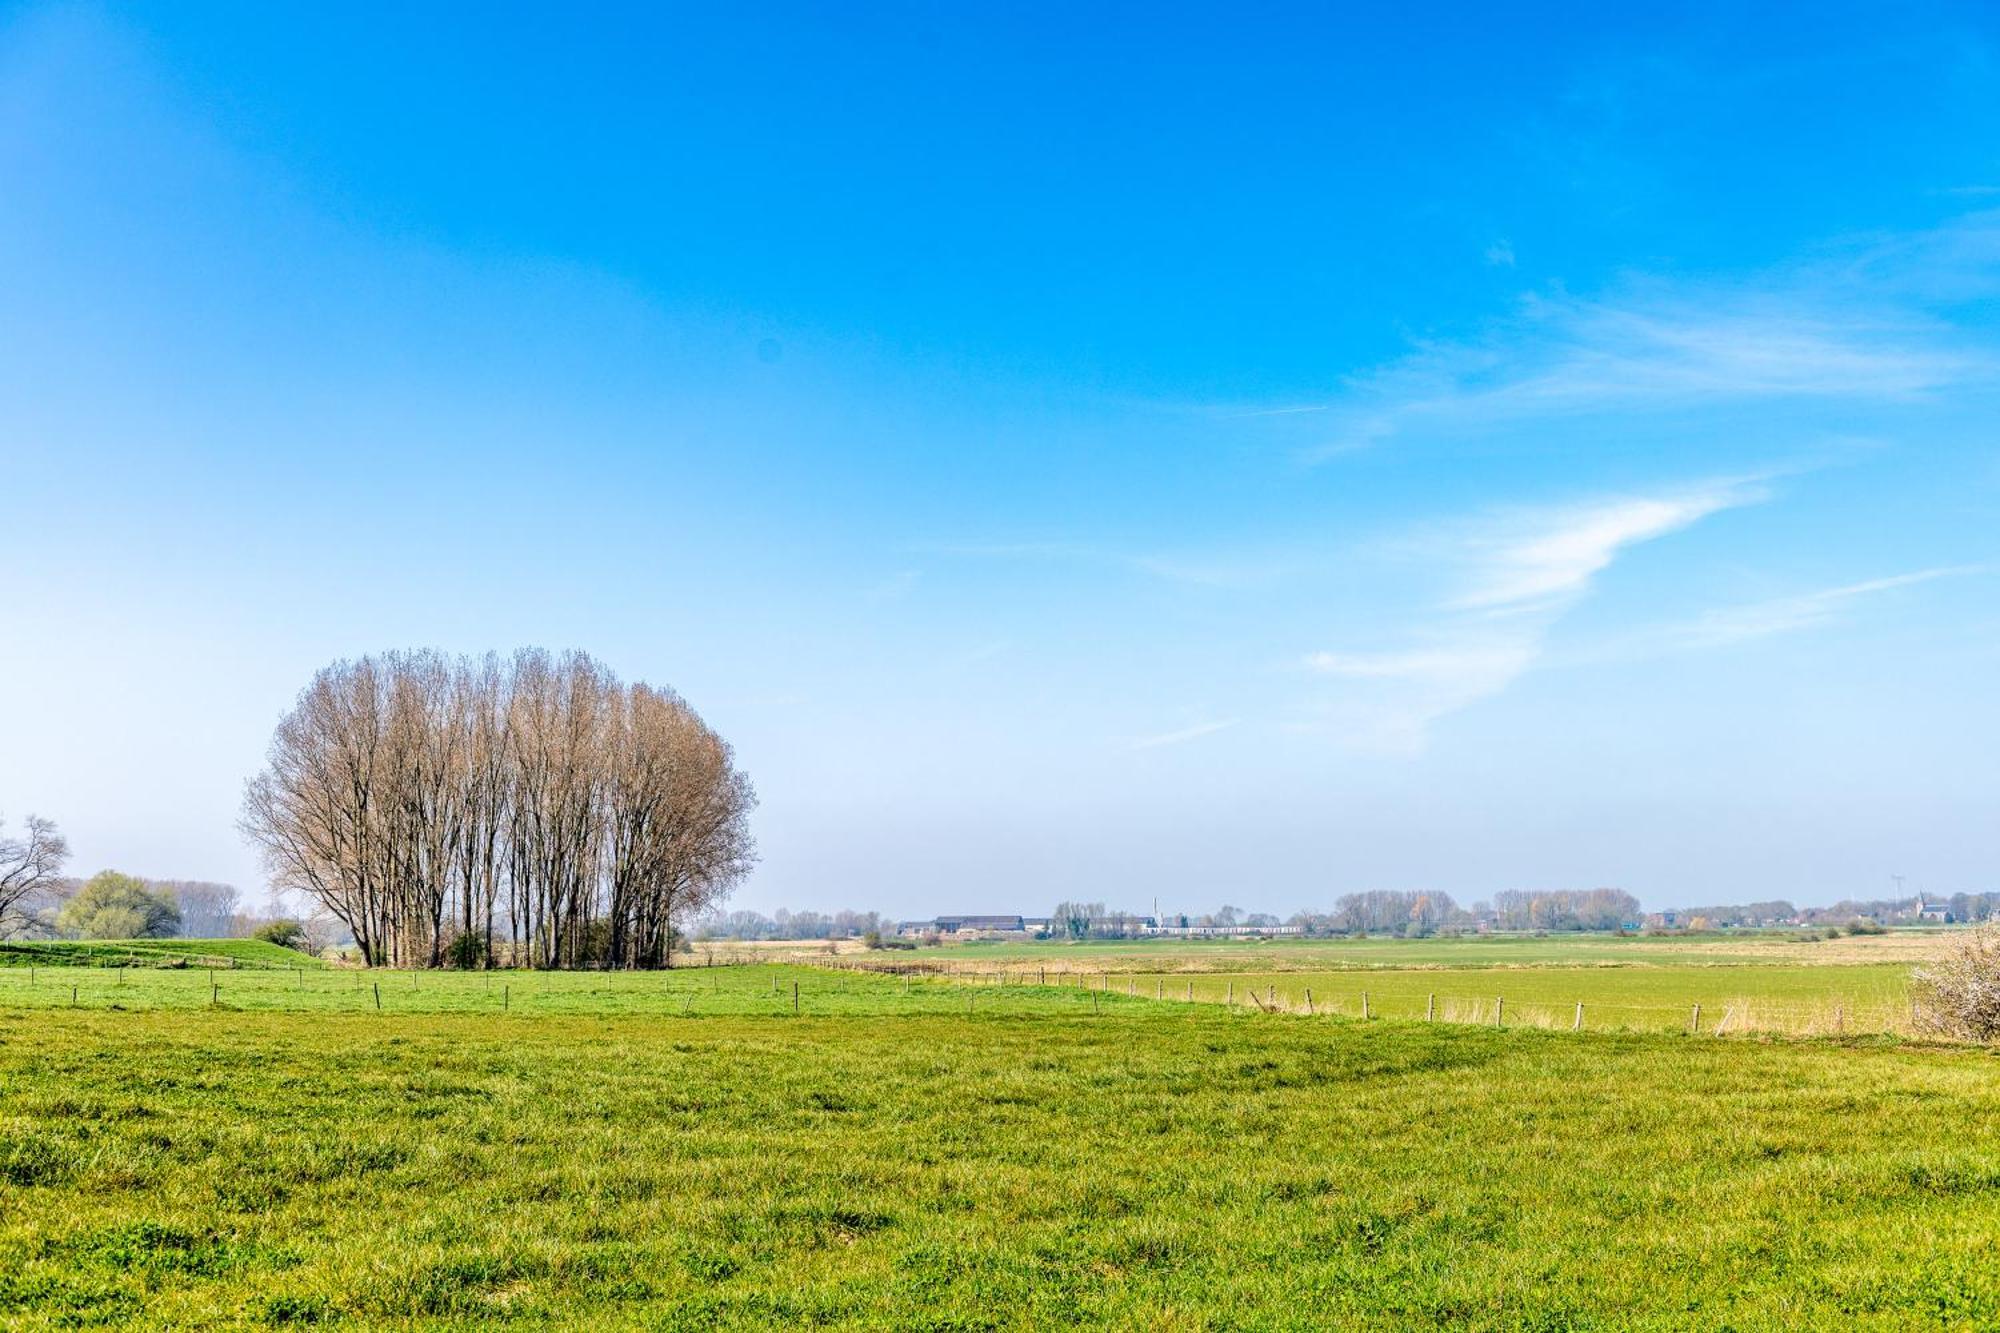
{"points": [[933, 987]]}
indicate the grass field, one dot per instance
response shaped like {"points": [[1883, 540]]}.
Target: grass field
{"points": [[781, 1145], [887, 1160]]}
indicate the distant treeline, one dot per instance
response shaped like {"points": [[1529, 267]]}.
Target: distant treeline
{"points": [[784, 925], [1404, 913], [1959, 907], [1429, 912]]}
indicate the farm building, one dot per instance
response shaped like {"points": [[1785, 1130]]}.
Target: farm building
{"points": [[964, 926]]}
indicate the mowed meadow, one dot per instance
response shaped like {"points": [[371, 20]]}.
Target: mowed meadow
{"points": [[701, 1149]]}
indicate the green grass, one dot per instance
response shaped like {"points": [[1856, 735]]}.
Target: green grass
{"points": [[151, 953], [886, 1160], [1759, 997]]}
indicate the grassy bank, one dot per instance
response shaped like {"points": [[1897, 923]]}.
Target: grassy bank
{"points": [[151, 953], [1152, 1166]]}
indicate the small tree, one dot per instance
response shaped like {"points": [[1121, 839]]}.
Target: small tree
{"points": [[112, 906], [1959, 994]]}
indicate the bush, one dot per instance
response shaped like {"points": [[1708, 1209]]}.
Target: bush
{"points": [[285, 933], [1959, 994], [466, 952], [1859, 927]]}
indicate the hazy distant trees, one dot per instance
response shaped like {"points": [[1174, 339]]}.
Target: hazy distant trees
{"points": [[1565, 909], [111, 906], [438, 806], [788, 925], [29, 866], [1073, 920], [208, 910]]}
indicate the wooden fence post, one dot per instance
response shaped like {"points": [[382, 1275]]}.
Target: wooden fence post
{"points": [[1190, 992], [1365, 1013], [1431, 1008], [795, 999], [1309, 1001], [507, 995], [1499, 1009], [378, 997], [1577, 1025], [1694, 1021]]}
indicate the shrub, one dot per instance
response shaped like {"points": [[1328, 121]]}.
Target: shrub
{"points": [[1959, 994], [285, 933], [1860, 927], [467, 951]]}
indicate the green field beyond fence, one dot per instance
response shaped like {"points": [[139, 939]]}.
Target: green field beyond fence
{"points": [[1714, 1000], [1800, 1001]]}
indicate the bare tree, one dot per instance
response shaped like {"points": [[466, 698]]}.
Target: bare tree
{"points": [[28, 866], [421, 799]]}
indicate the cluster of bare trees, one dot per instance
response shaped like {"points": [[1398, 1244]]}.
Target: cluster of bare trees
{"points": [[1565, 909], [465, 810]]}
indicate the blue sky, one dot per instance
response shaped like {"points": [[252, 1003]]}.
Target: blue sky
{"points": [[1235, 455]]}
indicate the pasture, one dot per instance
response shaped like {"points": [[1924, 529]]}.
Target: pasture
{"points": [[1015, 1140], [888, 1159]]}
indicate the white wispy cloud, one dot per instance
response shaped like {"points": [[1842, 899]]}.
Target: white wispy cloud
{"points": [[1567, 358], [1185, 734], [1780, 615], [1517, 577], [1554, 556], [1879, 320]]}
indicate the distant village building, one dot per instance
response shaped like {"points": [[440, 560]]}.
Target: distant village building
{"points": [[965, 927], [1125, 927], [1183, 930]]}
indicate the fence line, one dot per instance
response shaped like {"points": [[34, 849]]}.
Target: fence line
{"points": [[1716, 1014]]}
